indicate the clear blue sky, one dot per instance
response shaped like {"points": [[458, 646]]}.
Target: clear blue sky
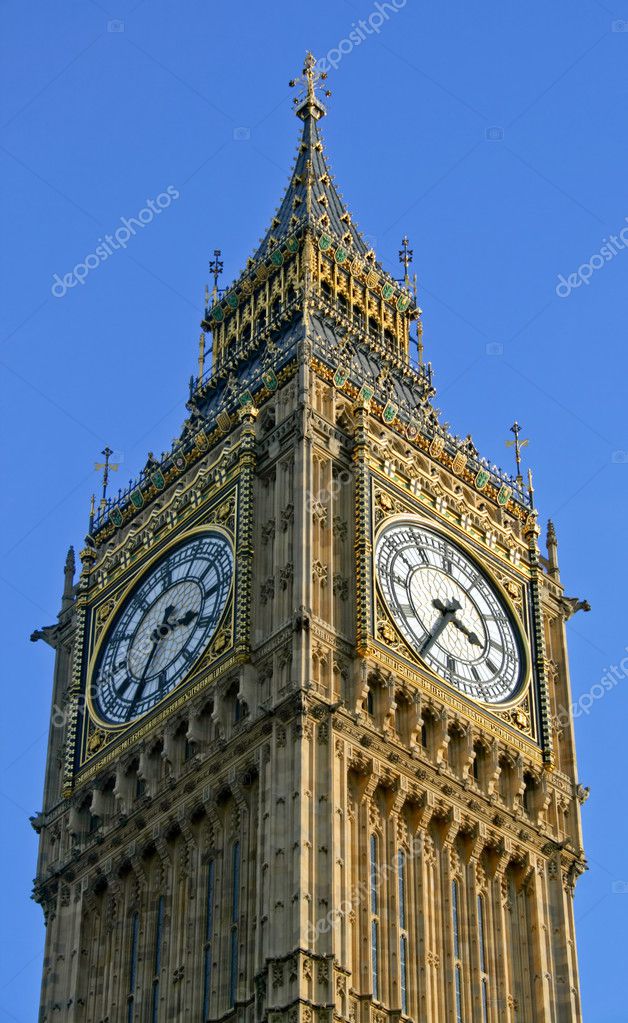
{"points": [[493, 134]]}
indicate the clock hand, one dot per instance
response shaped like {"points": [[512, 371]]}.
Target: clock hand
{"points": [[165, 624], [448, 612], [156, 637], [141, 685], [188, 617], [471, 636]]}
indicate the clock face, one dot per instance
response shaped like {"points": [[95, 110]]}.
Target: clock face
{"points": [[449, 611], [163, 626]]}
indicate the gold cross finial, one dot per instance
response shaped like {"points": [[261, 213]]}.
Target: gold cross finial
{"points": [[517, 445], [107, 467], [310, 80], [406, 255], [216, 266]]}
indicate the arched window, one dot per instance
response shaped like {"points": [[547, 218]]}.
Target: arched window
{"points": [[209, 928], [455, 921], [476, 764], [424, 734], [135, 934], [235, 911], [157, 960], [370, 703], [527, 797], [374, 916], [403, 932], [483, 960]]}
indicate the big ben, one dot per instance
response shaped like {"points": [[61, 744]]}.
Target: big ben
{"points": [[311, 764]]}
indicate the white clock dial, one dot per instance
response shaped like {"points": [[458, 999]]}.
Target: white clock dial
{"points": [[449, 611], [163, 626]]}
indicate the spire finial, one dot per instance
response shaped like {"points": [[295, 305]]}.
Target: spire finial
{"points": [[201, 358], [406, 255], [68, 580], [552, 550], [309, 105], [517, 444], [216, 267], [107, 467]]}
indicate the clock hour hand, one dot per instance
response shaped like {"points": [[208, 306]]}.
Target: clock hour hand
{"points": [[188, 617], [471, 636], [157, 634], [448, 612]]}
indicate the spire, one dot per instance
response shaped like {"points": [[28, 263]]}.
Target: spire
{"points": [[68, 580], [311, 196], [552, 549]]}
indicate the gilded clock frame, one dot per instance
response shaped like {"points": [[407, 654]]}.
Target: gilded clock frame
{"points": [[519, 720], [133, 582], [460, 541], [89, 755]]}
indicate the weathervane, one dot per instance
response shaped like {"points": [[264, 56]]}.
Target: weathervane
{"points": [[406, 255], [107, 467], [310, 80], [216, 267], [517, 445]]}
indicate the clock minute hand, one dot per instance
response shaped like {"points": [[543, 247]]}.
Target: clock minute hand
{"points": [[448, 612], [155, 637], [141, 685]]}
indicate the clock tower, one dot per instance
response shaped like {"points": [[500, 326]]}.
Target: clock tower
{"points": [[308, 759]]}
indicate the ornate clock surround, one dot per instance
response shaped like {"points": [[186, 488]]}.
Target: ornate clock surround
{"points": [[517, 720], [215, 494]]}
